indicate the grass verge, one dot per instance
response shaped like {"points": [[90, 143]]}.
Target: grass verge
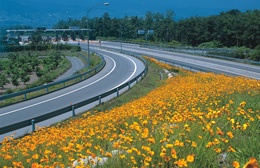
{"points": [[194, 120]]}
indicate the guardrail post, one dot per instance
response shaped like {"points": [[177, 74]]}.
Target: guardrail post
{"points": [[117, 92], [63, 84], [47, 89], [136, 80], [99, 98], [129, 85], [73, 111], [33, 125], [25, 96]]}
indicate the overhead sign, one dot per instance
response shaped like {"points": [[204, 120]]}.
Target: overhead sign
{"points": [[140, 31], [150, 31]]}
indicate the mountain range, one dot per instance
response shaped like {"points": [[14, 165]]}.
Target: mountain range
{"points": [[48, 12]]}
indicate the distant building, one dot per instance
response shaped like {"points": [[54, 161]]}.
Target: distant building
{"points": [[25, 39]]}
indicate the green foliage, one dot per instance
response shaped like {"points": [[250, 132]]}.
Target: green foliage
{"points": [[230, 28], [255, 55], [14, 80], [39, 72], [211, 44], [242, 53], [41, 47], [25, 79], [3, 79]]}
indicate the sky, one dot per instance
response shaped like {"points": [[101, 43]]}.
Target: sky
{"points": [[48, 12]]}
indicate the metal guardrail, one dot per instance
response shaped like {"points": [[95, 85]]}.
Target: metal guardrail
{"points": [[200, 53], [81, 77], [181, 64], [192, 50], [72, 108]]}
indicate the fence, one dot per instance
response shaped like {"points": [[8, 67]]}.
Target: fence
{"points": [[73, 107], [194, 50], [202, 52], [51, 87]]}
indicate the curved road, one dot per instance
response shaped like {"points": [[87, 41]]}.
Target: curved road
{"points": [[205, 63], [119, 69], [76, 64]]}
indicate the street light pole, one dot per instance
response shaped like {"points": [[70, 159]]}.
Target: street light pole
{"points": [[106, 4]]}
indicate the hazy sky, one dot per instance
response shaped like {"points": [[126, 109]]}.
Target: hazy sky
{"points": [[15, 10]]}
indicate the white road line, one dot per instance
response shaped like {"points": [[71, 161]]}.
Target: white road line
{"points": [[63, 94], [132, 73], [243, 73]]}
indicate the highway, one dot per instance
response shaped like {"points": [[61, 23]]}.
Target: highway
{"points": [[204, 63], [119, 69], [76, 64]]}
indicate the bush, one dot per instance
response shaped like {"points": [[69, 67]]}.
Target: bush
{"points": [[255, 55], [211, 44], [242, 53], [41, 47]]}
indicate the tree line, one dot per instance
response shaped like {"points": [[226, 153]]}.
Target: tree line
{"points": [[227, 29]]}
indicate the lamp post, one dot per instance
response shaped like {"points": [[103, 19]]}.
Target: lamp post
{"points": [[106, 4]]}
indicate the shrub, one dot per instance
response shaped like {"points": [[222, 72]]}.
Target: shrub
{"points": [[255, 55], [211, 44]]}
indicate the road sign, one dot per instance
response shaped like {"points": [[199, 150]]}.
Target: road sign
{"points": [[150, 31], [140, 31]]}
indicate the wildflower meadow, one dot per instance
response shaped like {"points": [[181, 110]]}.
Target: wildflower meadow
{"points": [[193, 120]]}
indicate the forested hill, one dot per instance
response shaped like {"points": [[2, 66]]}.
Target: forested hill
{"points": [[231, 28]]}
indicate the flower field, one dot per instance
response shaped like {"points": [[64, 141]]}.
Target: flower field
{"points": [[194, 120]]}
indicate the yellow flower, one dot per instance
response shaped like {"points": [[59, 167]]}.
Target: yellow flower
{"points": [[190, 158], [108, 154], [194, 144], [236, 164], [174, 154], [217, 150], [169, 146], [244, 127], [35, 156], [230, 134], [181, 163], [252, 163]]}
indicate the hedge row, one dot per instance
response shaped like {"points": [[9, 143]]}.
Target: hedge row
{"points": [[41, 47]]}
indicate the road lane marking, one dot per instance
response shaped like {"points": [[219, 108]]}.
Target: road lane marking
{"points": [[132, 73], [63, 94], [243, 73]]}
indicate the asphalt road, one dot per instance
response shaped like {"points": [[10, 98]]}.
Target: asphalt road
{"points": [[76, 64], [119, 69], [199, 62]]}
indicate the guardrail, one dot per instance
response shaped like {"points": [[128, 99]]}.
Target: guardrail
{"points": [[190, 51], [72, 108], [49, 88], [221, 50], [181, 64]]}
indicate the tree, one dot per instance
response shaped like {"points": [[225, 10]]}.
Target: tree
{"points": [[3, 80], [39, 72], [25, 79], [27, 68], [14, 80], [256, 53]]}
